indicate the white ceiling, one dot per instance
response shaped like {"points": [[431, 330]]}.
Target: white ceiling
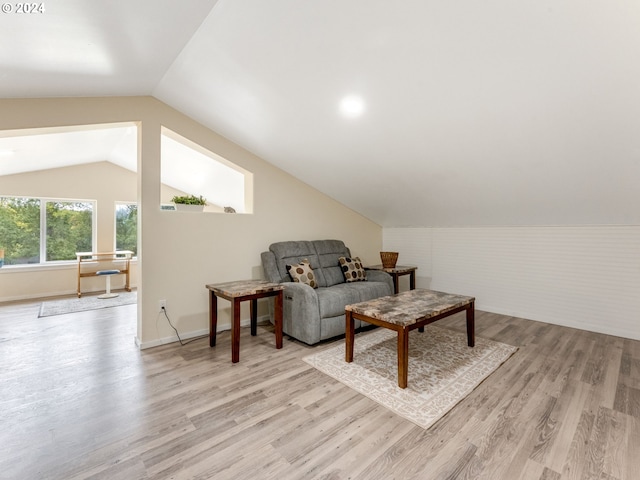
{"points": [[475, 113]]}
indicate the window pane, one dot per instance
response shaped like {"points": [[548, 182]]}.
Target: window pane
{"points": [[20, 230], [68, 229], [127, 227]]}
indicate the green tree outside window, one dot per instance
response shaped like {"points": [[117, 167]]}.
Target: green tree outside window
{"points": [[127, 227], [69, 228], [20, 230]]}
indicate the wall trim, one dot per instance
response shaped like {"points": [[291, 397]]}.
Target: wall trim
{"points": [[63, 293], [262, 320]]}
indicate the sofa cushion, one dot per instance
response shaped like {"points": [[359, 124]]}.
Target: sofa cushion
{"points": [[332, 300], [352, 269], [303, 273], [370, 290]]}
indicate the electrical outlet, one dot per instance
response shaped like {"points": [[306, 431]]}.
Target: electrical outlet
{"points": [[162, 305]]}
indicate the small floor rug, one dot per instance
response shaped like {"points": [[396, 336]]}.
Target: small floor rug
{"points": [[84, 303], [442, 369]]}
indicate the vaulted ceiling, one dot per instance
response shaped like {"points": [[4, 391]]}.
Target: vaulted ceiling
{"points": [[461, 113]]}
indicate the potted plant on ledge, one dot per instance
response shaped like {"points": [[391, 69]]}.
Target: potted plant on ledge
{"points": [[189, 203]]}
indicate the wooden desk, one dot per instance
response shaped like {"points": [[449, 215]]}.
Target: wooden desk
{"points": [[237, 292], [121, 259], [404, 312], [398, 271]]}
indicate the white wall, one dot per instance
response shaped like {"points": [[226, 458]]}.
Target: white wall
{"points": [[585, 277], [182, 252]]}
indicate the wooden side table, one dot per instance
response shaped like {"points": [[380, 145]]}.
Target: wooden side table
{"points": [[122, 258], [237, 292], [398, 271]]}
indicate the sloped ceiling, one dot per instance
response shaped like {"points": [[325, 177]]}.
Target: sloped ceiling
{"points": [[42, 149], [473, 113]]}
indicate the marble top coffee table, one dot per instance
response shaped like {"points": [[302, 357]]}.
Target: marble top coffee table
{"points": [[404, 312]]}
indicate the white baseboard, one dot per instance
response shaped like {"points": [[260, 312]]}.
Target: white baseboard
{"points": [[197, 333], [171, 339], [63, 293]]}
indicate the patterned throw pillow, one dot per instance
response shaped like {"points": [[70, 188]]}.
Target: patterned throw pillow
{"points": [[352, 269], [303, 273]]}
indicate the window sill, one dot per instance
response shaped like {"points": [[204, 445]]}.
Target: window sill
{"points": [[41, 267], [37, 267]]}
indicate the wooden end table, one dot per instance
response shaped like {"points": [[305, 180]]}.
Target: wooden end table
{"points": [[237, 292], [121, 258], [397, 272], [404, 312]]}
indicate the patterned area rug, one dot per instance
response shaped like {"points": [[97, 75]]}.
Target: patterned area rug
{"points": [[86, 302], [442, 369]]}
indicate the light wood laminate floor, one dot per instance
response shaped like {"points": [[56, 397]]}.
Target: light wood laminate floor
{"points": [[78, 400]]}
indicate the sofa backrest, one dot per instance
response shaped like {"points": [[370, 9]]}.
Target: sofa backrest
{"points": [[329, 251], [323, 256]]}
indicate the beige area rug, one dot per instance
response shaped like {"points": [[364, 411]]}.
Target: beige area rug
{"points": [[442, 369], [86, 302]]}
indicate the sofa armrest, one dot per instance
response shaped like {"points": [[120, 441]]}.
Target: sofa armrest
{"points": [[269, 267], [380, 276], [301, 315]]}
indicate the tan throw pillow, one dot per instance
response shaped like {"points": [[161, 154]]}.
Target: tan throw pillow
{"points": [[303, 273], [352, 269]]}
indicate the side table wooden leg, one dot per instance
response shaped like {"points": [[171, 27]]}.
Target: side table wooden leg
{"points": [[471, 328], [254, 317], [79, 292], [278, 318], [213, 318], [235, 330], [127, 277], [349, 336], [403, 357], [412, 286]]}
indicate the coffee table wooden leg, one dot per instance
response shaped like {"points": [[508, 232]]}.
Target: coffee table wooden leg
{"points": [[278, 319], [403, 357], [349, 336], [471, 328], [235, 330], [254, 316], [213, 318]]}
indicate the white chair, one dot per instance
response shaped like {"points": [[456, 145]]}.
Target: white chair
{"points": [[107, 274]]}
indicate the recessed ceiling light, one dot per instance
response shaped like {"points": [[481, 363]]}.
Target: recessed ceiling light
{"points": [[352, 106]]}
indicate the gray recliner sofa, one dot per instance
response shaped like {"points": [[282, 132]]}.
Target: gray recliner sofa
{"points": [[311, 315]]}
